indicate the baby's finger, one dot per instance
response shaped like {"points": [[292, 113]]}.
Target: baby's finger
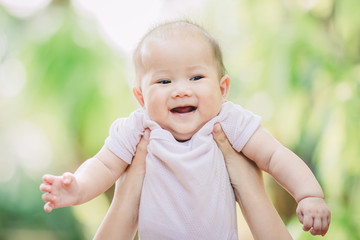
{"points": [[307, 223], [317, 227], [300, 215], [45, 187], [48, 197], [67, 178], [317, 232], [47, 178], [48, 207], [325, 225], [317, 224]]}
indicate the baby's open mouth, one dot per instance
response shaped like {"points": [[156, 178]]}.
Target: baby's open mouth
{"points": [[185, 109]]}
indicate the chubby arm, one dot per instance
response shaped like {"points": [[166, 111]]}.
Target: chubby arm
{"points": [[260, 214], [98, 174], [92, 178], [294, 175], [284, 165]]}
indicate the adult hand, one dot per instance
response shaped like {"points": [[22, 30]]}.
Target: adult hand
{"points": [[246, 178], [124, 208]]}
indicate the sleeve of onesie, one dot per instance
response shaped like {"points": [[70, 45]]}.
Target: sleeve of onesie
{"points": [[239, 124], [124, 135]]}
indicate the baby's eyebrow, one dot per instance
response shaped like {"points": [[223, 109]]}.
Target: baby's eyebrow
{"points": [[160, 73], [160, 76], [197, 68]]}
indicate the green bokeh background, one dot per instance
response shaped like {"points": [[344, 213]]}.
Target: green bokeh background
{"points": [[296, 63]]}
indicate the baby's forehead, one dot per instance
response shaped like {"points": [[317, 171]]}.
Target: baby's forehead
{"points": [[178, 31], [171, 34]]}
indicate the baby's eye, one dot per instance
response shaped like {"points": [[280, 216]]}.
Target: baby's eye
{"points": [[163, 81], [196, 78]]}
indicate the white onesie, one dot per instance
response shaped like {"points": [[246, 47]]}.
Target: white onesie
{"points": [[186, 192]]}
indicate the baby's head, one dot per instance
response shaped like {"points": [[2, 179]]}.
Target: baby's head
{"points": [[180, 77], [177, 29]]}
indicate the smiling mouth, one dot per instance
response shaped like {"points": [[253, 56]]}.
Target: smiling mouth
{"points": [[186, 109]]}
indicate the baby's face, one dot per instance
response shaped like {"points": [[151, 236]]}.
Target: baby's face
{"points": [[180, 85]]}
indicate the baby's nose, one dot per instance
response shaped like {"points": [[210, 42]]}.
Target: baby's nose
{"points": [[181, 90]]}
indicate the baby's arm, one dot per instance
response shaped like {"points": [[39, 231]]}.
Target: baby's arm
{"points": [[294, 175], [92, 178]]}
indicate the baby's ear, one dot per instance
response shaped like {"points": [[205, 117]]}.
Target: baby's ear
{"points": [[224, 86], [139, 96]]}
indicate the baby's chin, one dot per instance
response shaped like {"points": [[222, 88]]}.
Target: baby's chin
{"points": [[182, 137], [184, 133]]}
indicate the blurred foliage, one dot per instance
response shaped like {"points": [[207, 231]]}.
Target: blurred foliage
{"points": [[296, 63]]}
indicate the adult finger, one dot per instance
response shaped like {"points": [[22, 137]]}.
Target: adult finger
{"points": [[221, 140], [134, 174], [141, 152], [231, 156]]}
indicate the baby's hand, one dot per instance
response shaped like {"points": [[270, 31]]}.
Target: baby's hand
{"points": [[314, 214], [60, 191]]}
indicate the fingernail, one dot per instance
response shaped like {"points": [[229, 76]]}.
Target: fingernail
{"points": [[217, 128], [67, 180], [47, 208]]}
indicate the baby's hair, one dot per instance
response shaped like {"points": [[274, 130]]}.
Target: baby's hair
{"points": [[164, 29]]}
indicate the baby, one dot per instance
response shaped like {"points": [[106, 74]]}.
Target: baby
{"points": [[182, 88]]}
